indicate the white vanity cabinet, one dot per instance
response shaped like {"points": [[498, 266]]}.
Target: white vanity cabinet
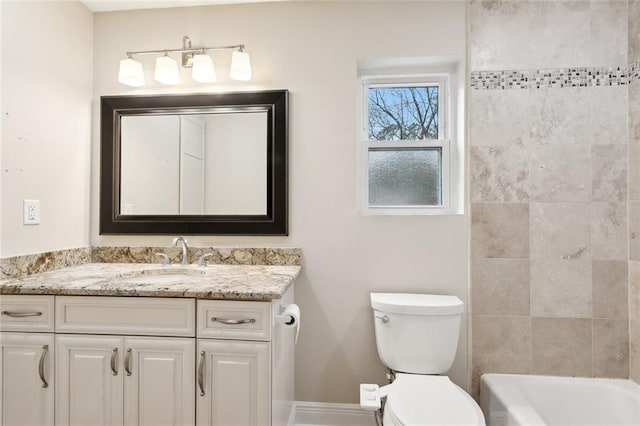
{"points": [[111, 380], [234, 380], [27, 382], [245, 363], [144, 361], [142, 376], [26, 378]]}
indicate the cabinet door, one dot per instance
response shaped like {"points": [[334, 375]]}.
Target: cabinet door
{"points": [[233, 383], [26, 379], [89, 380], [159, 380]]}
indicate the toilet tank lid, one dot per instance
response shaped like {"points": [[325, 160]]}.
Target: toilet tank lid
{"points": [[411, 303]]}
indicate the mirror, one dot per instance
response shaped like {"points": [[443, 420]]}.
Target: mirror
{"points": [[194, 164]]}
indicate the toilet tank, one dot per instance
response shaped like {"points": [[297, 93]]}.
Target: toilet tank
{"points": [[417, 333]]}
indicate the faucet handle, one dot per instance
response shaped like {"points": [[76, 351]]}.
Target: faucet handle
{"points": [[165, 259], [202, 260]]}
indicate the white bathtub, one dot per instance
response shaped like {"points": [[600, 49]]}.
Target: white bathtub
{"points": [[511, 399]]}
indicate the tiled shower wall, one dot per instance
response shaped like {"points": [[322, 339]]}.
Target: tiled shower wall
{"points": [[634, 194], [549, 192]]}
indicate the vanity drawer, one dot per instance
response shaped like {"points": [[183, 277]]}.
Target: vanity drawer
{"points": [[26, 313], [232, 319], [125, 315]]}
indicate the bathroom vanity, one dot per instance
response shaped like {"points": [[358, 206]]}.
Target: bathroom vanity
{"points": [[148, 345]]}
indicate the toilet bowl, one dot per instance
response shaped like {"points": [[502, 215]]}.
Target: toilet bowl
{"points": [[417, 338], [419, 400]]}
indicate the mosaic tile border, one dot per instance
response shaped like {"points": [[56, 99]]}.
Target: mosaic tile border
{"points": [[559, 77]]}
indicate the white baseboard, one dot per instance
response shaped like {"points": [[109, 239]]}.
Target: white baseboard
{"points": [[331, 414]]}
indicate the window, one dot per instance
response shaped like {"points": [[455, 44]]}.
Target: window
{"points": [[404, 145]]}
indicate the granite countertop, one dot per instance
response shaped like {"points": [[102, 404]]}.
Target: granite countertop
{"points": [[239, 282]]}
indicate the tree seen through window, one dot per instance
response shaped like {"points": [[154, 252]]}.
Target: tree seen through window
{"points": [[403, 113]]}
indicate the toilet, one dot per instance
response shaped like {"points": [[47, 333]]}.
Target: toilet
{"points": [[417, 338]]}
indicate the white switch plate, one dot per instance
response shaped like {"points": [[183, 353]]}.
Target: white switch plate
{"points": [[31, 210]]}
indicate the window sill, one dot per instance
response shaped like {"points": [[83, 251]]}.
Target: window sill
{"points": [[410, 212]]}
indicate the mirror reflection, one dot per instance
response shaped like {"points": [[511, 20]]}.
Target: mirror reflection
{"points": [[205, 163]]}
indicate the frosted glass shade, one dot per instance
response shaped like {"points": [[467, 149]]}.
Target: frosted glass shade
{"points": [[240, 66], [203, 70], [131, 73], [166, 71]]}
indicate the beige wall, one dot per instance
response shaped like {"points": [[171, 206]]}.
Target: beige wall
{"points": [[549, 269], [634, 194], [47, 58], [312, 49]]}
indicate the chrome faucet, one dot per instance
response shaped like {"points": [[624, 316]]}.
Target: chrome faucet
{"points": [[185, 252]]}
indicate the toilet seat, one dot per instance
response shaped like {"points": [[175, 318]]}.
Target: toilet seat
{"points": [[421, 400]]}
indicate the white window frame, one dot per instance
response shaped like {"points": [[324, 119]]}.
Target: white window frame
{"points": [[443, 142]]}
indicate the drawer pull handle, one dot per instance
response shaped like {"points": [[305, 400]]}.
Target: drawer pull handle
{"points": [[15, 314], [45, 350], [201, 373], [114, 353], [231, 321], [127, 362]]}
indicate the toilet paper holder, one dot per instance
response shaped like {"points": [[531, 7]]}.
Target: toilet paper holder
{"points": [[289, 317]]}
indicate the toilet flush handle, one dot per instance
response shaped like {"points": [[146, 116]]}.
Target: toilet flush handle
{"points": [[384, 318]]}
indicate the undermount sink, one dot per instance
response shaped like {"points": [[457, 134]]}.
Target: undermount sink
{"points": [[156, 279], [161, 276]]}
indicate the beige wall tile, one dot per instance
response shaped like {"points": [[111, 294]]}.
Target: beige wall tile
{"points": [[572, 33], [634, 171], [608, 231], [560, 230], [500, 286], [499, 174], [504, 117], [609, 172], [610, 281], [551, 178], [566, 118], [608, 31], [634, 30], [634, 230], [561, 346], [634, 112], [610, 348], [634, 290], [500, 344], [500, 230], [608, 114], [561, 288], [634, 351]]}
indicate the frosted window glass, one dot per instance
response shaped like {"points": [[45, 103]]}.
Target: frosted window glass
{"points": [[405, 177]]}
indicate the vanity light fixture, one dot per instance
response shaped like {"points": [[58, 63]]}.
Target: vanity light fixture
{"points": [[168, 72]]}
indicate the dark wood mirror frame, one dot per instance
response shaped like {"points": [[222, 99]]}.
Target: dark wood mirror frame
{"points": [[274, 222]]}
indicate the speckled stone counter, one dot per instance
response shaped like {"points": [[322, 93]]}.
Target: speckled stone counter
{"points": [[238, 282]]}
